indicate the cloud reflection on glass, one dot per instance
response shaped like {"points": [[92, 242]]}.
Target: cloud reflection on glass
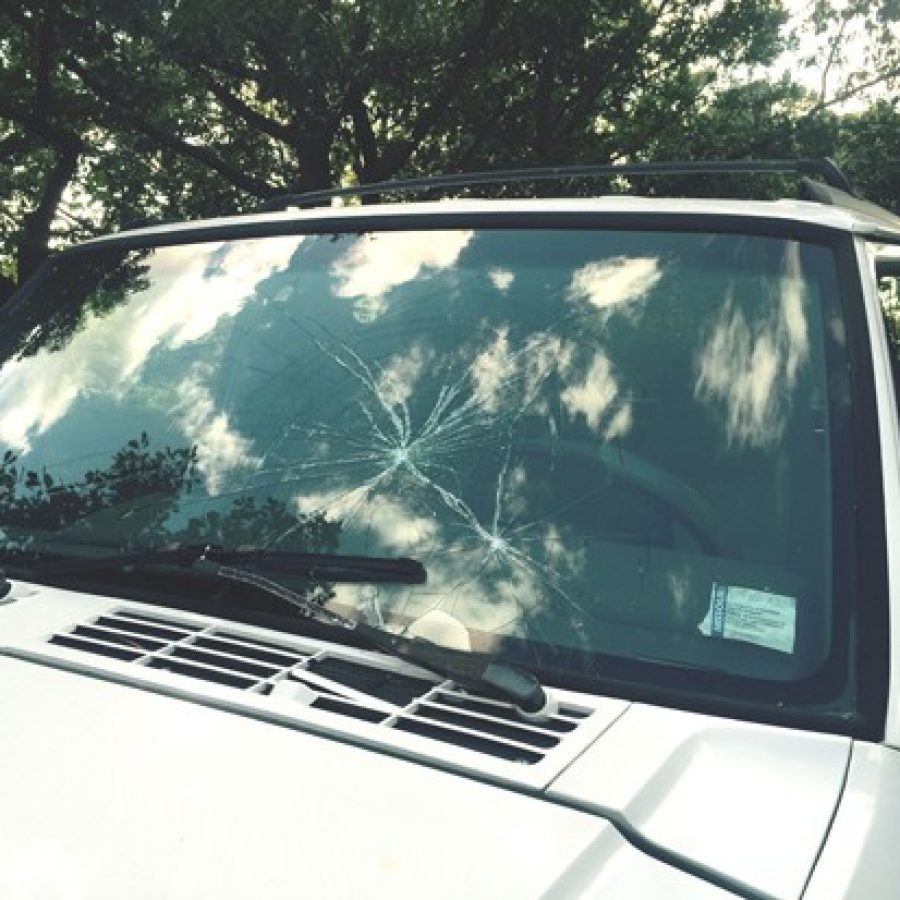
{"points": [[192, 288], [377, 263], [750, 360]]}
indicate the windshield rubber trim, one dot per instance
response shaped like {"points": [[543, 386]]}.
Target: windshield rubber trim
{"points": [[587, 220], [766, 226], [867, 514]]}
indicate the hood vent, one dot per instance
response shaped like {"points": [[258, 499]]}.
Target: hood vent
{"points": [[361, 686]]}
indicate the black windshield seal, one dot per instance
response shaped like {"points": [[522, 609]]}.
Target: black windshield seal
{"points": [[262, 226]]}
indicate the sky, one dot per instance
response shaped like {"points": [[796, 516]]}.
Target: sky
{"points": [[811, 45]]}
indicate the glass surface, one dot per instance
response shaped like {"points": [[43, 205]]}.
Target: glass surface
{"points": [[615, 442]]}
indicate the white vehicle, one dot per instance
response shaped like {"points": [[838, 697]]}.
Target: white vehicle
{"points": [[458, 549]]}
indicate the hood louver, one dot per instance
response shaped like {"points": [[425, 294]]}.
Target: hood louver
{"points": [[366, 688]]}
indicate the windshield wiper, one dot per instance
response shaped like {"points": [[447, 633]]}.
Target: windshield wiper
{"points": [[478, 671], [340, 568]]}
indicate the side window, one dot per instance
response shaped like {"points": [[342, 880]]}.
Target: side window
{"points": [[888, 274]]}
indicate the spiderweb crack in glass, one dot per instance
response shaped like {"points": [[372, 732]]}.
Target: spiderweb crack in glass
{"points": [[497, 541], [385, 458]]}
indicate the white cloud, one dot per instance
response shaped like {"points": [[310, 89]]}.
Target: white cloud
{"points": [[502, 375], [402, 372], [491, 369], [594, 397], [751, 369], [619, 425], [394, 526]]}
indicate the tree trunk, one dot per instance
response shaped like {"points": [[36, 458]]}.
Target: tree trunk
{"points": [[314, 158], [34, 243], [7, 286]]}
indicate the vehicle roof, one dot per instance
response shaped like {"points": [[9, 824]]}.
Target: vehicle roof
{"points": [[799, 211]]}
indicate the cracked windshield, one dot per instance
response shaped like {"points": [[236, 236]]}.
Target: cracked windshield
{"points": [[593, 441]]}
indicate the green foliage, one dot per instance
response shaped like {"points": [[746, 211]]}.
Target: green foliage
{"points": [[179, 109], [113, 111], [248, 522], [85, 288], [856, 48], [868, 148], [757, 119]]}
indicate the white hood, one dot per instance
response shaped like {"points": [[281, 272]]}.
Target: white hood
{"points": [[117, 787]]}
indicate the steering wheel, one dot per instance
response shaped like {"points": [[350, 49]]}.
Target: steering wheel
{"points": [[687, 504]]}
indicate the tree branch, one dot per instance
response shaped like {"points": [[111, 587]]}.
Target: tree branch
{"points": [[614, 61], [43, 96], [240, 108], [355, 103], [123, 114], [37, 125], [846, 94], [365, 135], [32, 246], [473, 44], [12, 144], [832, 55]]}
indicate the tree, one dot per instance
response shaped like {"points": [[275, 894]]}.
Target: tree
{"points": [[143, 483], [756, 119], [41, 132], [198, 106], [867, 147], [854, 48]]}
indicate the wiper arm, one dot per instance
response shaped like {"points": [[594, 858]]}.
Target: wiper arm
{"points": [[478, 671], [337, 568]]}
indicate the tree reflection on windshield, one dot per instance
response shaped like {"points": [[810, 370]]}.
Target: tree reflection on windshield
{"points": [[103, 282], [135, 503]]}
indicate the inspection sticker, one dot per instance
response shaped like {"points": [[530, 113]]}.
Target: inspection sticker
{"points": [[745, 614]]}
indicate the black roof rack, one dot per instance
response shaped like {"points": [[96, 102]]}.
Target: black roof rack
{"points": [[825, 168]]}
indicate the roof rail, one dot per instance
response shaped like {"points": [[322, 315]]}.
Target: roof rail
{"points": [[825, 168], [830, 195]]}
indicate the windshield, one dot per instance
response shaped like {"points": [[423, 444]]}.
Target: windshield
{"points": [[598, 443]]}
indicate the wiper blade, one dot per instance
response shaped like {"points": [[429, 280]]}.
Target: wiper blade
{"points": [[333, 567], [478, 671]]}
